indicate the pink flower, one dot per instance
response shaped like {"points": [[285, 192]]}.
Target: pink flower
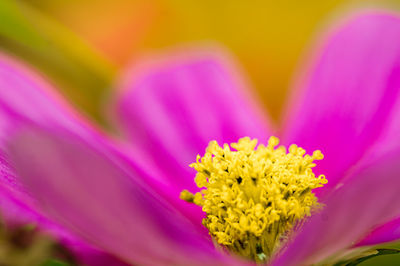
{"points": [[123, 196]]}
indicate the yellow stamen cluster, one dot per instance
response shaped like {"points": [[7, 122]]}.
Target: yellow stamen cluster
{"points": [[254, 195]]}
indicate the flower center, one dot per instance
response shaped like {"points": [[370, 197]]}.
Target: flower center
{"points": [[254, 196]]}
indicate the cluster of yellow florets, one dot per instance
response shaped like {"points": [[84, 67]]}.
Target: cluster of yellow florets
{"points": [[254, 195]]}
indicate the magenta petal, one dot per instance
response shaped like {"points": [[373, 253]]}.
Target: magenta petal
{"points": [[347, 99], [25, 97], [87, 255], [88, 191], [389, 139], [368, 199], [385, 233], [175, 108]]}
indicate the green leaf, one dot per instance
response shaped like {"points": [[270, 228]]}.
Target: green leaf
{"points": [[358, 260], [54, 262], [83, 75]]}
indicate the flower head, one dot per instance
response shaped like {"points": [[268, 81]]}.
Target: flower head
{"points": [[253, 196], [122, 197]]}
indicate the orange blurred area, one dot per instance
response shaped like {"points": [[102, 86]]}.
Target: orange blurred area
{"points": [[114, 27], [267, 37]]}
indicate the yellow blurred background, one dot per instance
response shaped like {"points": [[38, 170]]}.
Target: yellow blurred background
{"points": [[267, 37]]}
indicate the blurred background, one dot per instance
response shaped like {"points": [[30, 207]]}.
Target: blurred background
{"points": [[83, 46]]}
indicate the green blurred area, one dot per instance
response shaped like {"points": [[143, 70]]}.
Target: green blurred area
{"points": [[82, 45], [82, 74], [384, 259]]}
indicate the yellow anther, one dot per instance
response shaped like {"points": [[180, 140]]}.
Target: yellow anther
{"points": [[186, 196], [254, 195]]}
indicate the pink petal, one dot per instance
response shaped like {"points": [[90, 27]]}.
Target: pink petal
{"points": [[90, 192], [347, 99], [385, 233], [388, 142], [26, 98], [368, 199], [87, 255], [15, 211], [172, 110], [389, 139]]}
